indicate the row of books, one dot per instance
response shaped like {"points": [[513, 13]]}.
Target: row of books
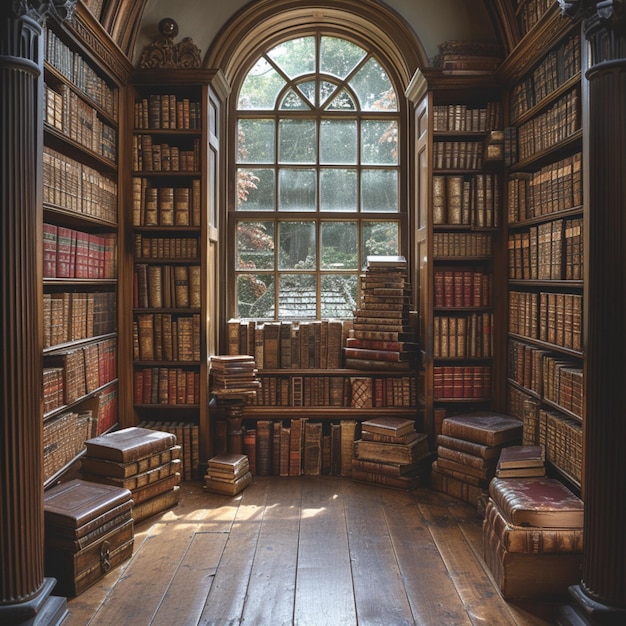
{"points": [[148, 247], [165, 206], [549, 251], [462, 382], [561, 317], [70, 316], [555, 187], [557, 67], [167, 286], [549, 375], [558, 123], [66, 111], [562, 439], [162, 157], [166, 385], [167, 111], [70, 253], [462, 288], [289, 344], [472, 200], [79, 73], [531, 12], [458, 155], [81, 371], [461, 117], [462, 244], [166, 337], [78, 187], [524, 406], [463, 336]]}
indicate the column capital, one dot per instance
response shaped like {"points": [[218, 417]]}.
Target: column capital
{"points": [[40, 10]]}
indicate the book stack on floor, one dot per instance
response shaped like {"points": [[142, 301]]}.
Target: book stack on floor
{"points": [[533, 537], [390, 452], [234, 375], [88, 531], [145, 461], [228, 474], [521, 462], [381, 337], [468, 450]]}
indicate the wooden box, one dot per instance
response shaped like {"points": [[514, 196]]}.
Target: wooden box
{"points": [[89, 530]]}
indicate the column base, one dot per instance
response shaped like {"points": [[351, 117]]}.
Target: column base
{"points": [[42, 610], [588, 612]]}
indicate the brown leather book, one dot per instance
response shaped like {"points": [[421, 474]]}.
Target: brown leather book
{"points": [[486, 428], [77, 502], [129, 444], [542, 502], [470, 447], [228, 488], [124, 470], [158, 503], [154, 489], [388, 425], [391, 452]]}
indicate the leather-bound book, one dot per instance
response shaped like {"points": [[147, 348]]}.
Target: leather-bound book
{"points": [[129, 444], [486, 428], [542, 502]]}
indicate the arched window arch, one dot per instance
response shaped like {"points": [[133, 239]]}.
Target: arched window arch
{"points": [[319, 176]]}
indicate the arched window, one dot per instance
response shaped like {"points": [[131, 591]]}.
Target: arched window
{"points": [[318, 177]]}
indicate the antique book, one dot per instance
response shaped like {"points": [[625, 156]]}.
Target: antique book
{"points": [[123, 470], [77, 502], [392, 452], [228, 488], [385, 480], [347, 434], [456, 488], [471, 447], [462, 476], [485, 474], [160, 486], [129, 444], [408, 438], [312, 462], [530, 539], [543, 502], [228, 462], [160, 502], [486, 428], [521, 472], [388, 425], [521, 456], [466, 459], [380, 467], [137, 481]]}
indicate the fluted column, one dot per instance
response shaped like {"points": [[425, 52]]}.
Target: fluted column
{"points": [[600, 598], [25, 594]]}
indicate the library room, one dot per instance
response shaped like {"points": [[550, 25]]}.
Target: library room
{"points": [[313, 313]]}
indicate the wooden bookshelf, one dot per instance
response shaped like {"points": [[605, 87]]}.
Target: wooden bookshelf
{"points": [[544, 236], [170, 256]]}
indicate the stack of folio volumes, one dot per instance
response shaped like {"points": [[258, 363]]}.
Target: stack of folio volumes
{"points": [[468, 450], [533, 537], [88, 531], [390, 452], [144, 461], [228, 474]]}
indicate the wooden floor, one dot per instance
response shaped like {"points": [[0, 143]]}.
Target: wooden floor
{"points": [[308, 551]]}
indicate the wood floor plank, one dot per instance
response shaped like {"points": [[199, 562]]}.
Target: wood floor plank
{"points": [[378, 588], [431, 593], [271, 592], [324, 590], [225, 602]]}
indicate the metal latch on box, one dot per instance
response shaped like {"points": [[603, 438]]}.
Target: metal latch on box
{"points": [[105, 556]]}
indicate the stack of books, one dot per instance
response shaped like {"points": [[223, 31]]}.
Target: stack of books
{"points": [[533, 537], [468, 450], [146, 462], [88, 530], [521, 462], [381, 337], [390, 452], [234, 375], [228, 474]]}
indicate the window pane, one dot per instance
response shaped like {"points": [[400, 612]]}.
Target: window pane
{"points": [[327, 89], [338, 141], [373, 87], [339, 295], [339, 249], [379, 190], [378, 238], [261, 87], [338, 56], [298, 296], [296, 245], [338, 190], [308, 89], [379, 142], [293, 101], [255, 245], [255, 189], [295, 57], [255, 141], [297, 141], [297, 190], [255, 295], [342, 102]]}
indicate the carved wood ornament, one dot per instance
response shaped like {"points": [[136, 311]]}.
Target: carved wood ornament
{"points": [[164, 53]]}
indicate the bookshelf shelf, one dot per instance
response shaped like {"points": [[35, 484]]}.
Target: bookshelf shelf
{"points": [[548, 346], [167, 173], [251, 412], [548, 217], [70, 345], [53, 138], [66, 217], [548, 284], [67, 407], [543, 157]]}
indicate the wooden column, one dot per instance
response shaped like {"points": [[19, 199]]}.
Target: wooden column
{"points": [[600, 598], [25, 594]]}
